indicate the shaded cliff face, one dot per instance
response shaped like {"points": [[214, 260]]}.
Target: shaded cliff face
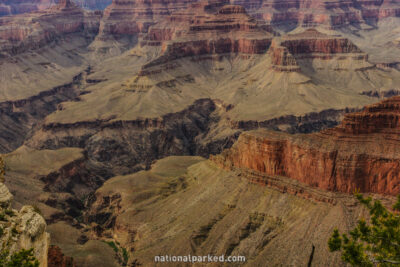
{"points": [[361, 153]]}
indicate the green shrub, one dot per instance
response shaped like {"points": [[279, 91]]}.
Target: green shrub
{"points": [[22, 258], [371, 243], [125, 255]]}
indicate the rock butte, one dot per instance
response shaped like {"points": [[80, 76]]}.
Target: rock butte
{"points": [[311, 44], [208, 28], [362, 153]]}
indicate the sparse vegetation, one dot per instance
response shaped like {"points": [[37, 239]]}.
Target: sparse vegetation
{"points": [[125, 255], [121, 252], [374, 243], [22, 258]]}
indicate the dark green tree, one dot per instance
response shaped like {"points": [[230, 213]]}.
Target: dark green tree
{"points": [[22, 258], [376, 243]]}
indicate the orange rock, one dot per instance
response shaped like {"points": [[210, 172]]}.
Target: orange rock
{"points": [[362, 153]]}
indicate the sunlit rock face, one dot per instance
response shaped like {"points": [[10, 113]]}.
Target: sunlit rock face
{"points": [[360, 154]]}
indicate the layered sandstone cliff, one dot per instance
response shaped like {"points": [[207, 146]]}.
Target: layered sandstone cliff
{"points": [[130, 17], [34, 30], [206, 28], [287, 51], [360, 154]]}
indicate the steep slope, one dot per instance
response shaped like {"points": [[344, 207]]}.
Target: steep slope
{"points": [[362, 153], [186, 205]]}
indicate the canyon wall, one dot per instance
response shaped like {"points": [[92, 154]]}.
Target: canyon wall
{"points": [[35, 30], [360, 154]]}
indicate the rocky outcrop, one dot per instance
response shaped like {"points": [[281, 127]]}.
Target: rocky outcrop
{"points": [[23, 229], [57, 259], [360, 154]]}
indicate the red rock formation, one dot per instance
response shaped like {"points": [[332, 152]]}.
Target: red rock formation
{"points": [[282, 59], [130, 17], [57, 259], [208, 27], [362, 153], [311, 44]]}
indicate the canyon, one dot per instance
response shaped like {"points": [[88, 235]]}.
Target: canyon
{"points": [[318, 169], [198, 127]]}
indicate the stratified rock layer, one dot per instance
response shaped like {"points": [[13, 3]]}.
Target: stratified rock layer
{"points": [[311, 44], [32, 31], [208, 28], [130, 17], [362, 153]]}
